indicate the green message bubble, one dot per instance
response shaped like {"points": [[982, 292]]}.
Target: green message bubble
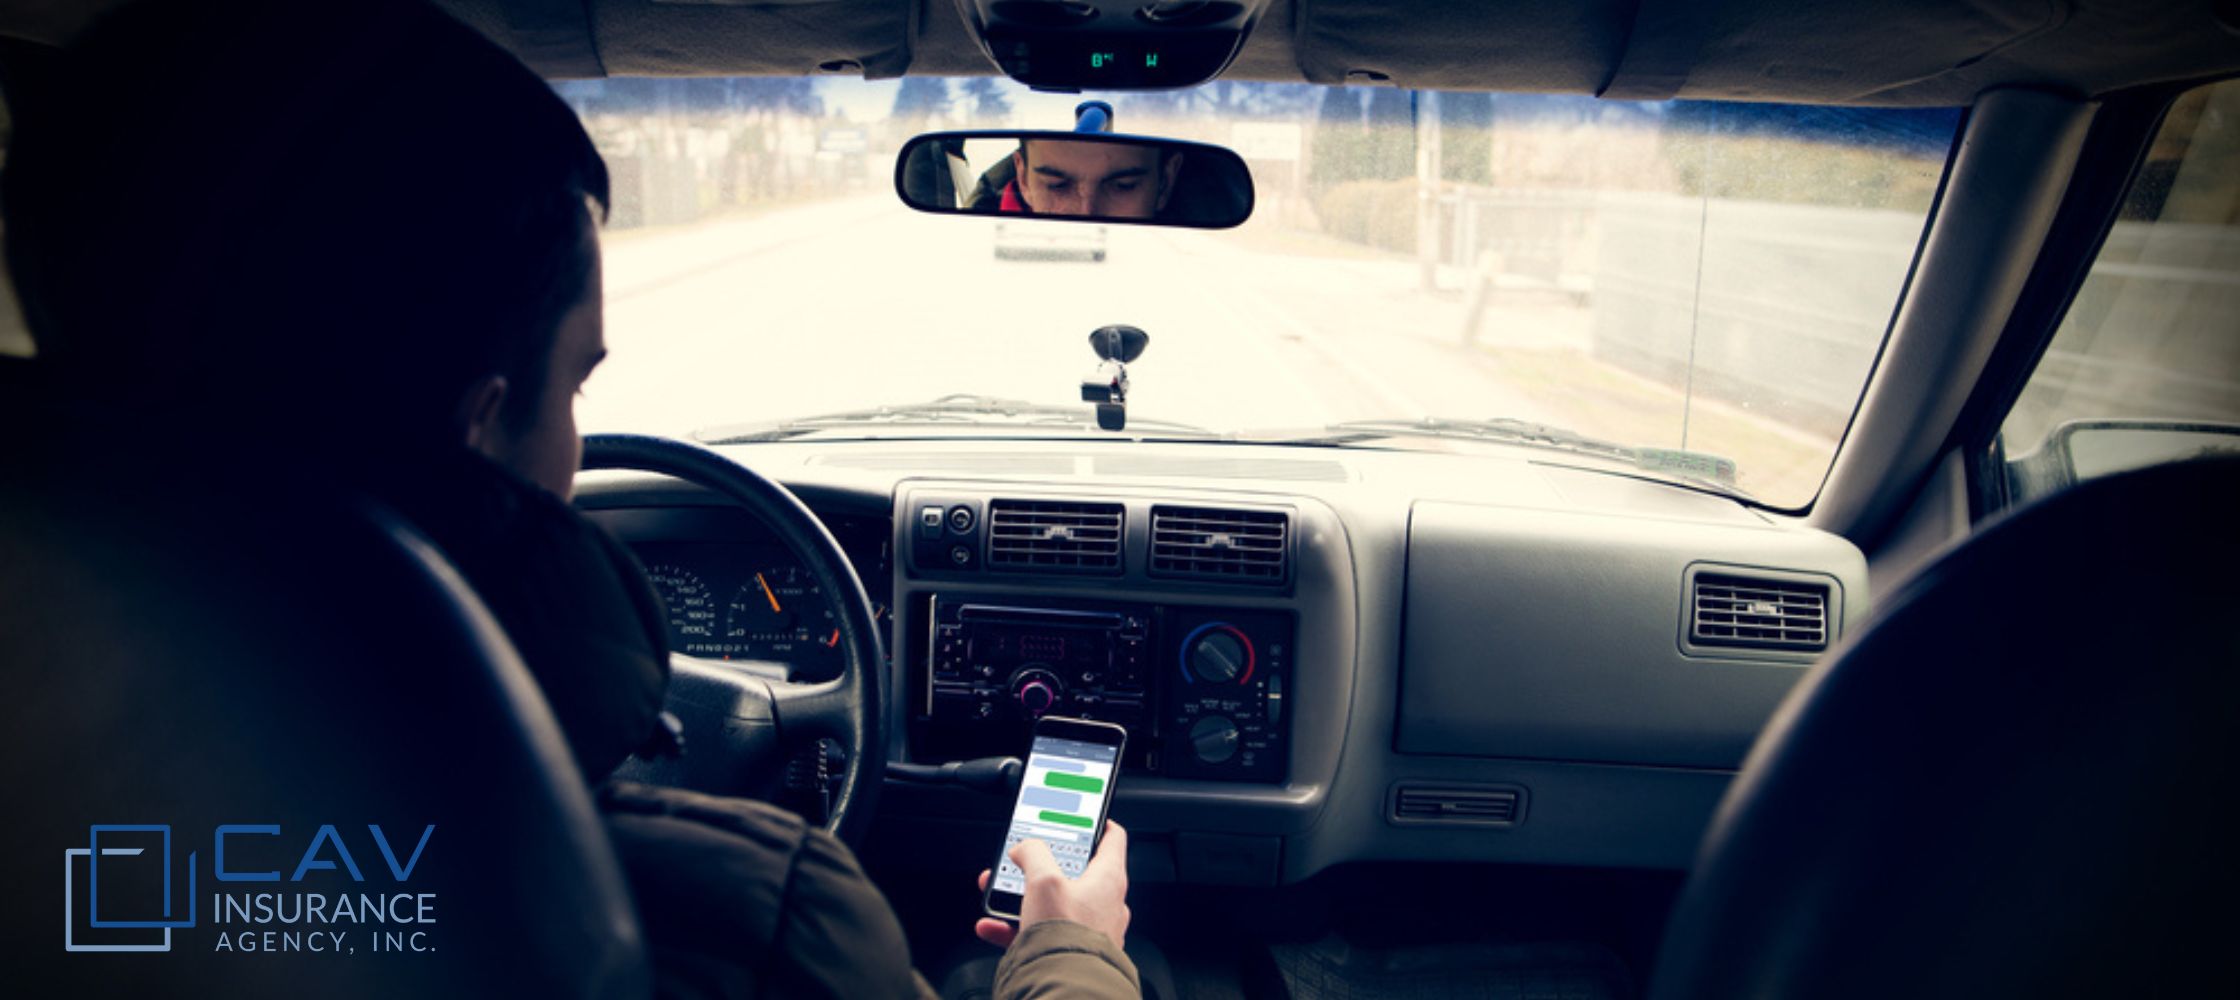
{"points": [[1068, 819], [1073, 782]]}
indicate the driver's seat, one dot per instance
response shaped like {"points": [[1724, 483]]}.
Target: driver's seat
{"points": [[194, 644]]}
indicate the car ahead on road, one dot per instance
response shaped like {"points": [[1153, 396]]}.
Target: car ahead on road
{"points": [[1028, 239], [1663, 499]]}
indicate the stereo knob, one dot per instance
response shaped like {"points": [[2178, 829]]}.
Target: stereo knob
{"points": [[1220, 654], [1037, 692], [1214, 739]]}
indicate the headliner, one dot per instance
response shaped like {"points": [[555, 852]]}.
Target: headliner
{"points": [[1894, 52]]}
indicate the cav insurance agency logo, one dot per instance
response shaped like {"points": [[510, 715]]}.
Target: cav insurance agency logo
{"points": [[122, 892]]}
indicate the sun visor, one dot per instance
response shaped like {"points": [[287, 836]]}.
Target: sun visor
{"points": [[2099, 46], [870, 38], [1813, 50], [553, 38], [1462, 45]]}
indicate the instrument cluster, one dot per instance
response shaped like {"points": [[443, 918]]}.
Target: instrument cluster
{"points": [[746, 596]]}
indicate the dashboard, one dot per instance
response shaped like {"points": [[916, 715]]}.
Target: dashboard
{"points": [[1322, 657]]}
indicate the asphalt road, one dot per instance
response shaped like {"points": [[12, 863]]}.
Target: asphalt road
{"points": [[860, 302]]}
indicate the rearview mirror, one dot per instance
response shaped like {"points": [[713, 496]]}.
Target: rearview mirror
{"points": [[1075, 175]]}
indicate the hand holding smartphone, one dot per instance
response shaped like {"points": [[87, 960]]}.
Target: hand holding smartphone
{"points": [[1063, 798]]}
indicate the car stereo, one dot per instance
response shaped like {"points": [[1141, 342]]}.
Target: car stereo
{"points": [[1200, 690]]}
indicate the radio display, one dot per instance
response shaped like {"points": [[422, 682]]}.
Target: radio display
{"points": [[996, 662], [1070, 650]]}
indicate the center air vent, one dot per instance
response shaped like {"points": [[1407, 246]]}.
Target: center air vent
{"points": [[1054, 536], [1210, 543], [1747, 612], [1481, 805]]}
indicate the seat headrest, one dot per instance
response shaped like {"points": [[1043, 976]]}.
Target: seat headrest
{"points": [[194, 645], [2017, 781]]}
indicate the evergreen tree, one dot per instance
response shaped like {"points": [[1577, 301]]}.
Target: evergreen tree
{"points": [[1466, 138], [1392, 134], [921, 98], [1339, 107], [990, 105], [1337, 147]]}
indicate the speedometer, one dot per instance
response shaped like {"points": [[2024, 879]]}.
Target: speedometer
{"points": [[781, 614], [691, 608]]}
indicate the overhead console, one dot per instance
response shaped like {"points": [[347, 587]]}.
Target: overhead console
{"points": [[1199, 624], [1075, 45]]}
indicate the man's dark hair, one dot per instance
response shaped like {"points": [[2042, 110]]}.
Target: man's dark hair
{"points": [[334, 215]]}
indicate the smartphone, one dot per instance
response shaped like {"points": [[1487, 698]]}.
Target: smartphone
{"points": [[1062, 801]]}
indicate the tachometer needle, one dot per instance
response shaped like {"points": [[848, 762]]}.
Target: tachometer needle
{"points": [[835, 640], [771, 594]]}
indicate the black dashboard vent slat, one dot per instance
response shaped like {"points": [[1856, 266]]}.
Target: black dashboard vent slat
{"points": [[1756, 613], [1473, 805], [1213, 543], [1055, 536]]}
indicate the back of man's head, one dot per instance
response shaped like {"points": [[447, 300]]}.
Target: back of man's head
{"points": [[329, 216]]}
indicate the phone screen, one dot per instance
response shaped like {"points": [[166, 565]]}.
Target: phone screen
{"points": [[1062, 801]]}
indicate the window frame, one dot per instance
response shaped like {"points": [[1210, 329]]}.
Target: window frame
{"points": [[2115, 149]]}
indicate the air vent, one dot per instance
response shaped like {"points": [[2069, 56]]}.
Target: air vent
{"points": [[1209, 543], [1478, 805], [1054, 536], [1759, 613]]}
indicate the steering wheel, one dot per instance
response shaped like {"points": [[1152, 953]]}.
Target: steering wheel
{"points": [[796, 717]]}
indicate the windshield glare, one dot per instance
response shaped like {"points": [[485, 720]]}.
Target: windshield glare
{"points": [[1706, 277]]}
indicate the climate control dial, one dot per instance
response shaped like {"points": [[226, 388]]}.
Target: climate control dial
{"points": [[1219, 653], [1214, 739]]}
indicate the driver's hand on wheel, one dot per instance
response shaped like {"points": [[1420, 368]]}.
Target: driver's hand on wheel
{"points": [[1098, 899]]}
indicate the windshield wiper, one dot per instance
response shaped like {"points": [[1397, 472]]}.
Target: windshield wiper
{"points": [[1708, 471], [955, 408], [1507, 430]]}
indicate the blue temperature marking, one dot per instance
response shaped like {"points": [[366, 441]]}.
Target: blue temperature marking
{"points": [[1182, 656]]}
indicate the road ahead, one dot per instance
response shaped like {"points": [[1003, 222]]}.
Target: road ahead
{"points": [[861, 302]]}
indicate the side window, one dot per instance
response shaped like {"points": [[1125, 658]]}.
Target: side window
{"points": [[2145, 368]]}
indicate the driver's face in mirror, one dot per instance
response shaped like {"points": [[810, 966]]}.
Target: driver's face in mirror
{"points": [[1110, 179]]}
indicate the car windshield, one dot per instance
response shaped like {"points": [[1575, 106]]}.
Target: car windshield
{"points": [[1701, 288]]}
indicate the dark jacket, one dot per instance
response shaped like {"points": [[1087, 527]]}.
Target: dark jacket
{"points": [[796, 916], [737, 898]]}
